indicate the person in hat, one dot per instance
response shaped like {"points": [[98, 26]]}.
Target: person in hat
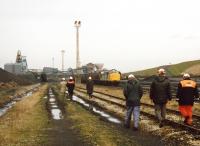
{"points": [[133, 93], [70, 85], [160, 93], [90, 86], [187, 92]]}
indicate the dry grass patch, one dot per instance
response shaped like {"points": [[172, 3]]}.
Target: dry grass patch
{"points": [[25, 122]]}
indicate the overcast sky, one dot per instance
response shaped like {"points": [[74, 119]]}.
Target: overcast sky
{"points": [[127, 35]]}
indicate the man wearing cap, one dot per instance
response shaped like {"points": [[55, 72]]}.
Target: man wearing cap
{"points": [[70, 86], [90, 86], [133, 93], [186, 93], [160, 93]]}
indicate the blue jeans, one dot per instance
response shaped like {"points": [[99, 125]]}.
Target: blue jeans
{"points": [[136, 114]]}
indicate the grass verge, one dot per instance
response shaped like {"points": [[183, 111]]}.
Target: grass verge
{"points": [[25, 123], [95, 131]]}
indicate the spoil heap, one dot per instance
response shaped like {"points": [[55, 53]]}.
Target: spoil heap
{"points": [[9, 78]]}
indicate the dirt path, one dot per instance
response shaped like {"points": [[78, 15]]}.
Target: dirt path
{"points": [[61, 134]]}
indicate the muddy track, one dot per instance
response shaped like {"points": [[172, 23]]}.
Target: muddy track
{"points": [[60, 133]]}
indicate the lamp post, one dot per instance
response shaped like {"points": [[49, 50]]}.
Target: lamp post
{"points": [[77, 24]]}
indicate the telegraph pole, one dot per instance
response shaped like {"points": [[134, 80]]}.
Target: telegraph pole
{"points": [[63, 52], [77, 24]]}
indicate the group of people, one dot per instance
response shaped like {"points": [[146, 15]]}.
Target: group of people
{"points": [[160, 94], [71, 84]]}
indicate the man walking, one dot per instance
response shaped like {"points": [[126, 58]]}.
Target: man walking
{"points": [[160, 93], [90, 86], [186, 93], [70, 86], [133, 93]]}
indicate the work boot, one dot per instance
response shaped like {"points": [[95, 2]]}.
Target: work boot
{"points": [[161, 124], [126, 126], [135, 128]]}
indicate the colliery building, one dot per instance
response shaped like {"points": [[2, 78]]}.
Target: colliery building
{"points": [[20, 67]]}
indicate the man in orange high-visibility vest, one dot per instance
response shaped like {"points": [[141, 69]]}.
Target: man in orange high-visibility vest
{"points": [[186, 93], [70, 85]]}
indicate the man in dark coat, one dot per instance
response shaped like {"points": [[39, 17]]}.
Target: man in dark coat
{"points": [[187, 92], [133, 93], [90, 86], [70, 85], [160, 93]]}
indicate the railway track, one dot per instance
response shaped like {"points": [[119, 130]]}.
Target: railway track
{"points": [[173, 116], [145, 84]]}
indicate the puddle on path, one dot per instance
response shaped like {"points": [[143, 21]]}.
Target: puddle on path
{"points": [[55, 111], [6, 107], [95, 110]]}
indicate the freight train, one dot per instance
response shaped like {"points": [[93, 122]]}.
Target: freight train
{"points": [[84, 72]]}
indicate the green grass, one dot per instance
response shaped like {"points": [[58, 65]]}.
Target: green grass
{"points": [[171, 70]]}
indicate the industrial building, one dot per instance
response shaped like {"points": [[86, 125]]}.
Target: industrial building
{"points": [[20, 67], [50, 70]]}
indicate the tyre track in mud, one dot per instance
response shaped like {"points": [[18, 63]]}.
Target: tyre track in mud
{"points": [[61, 132]]}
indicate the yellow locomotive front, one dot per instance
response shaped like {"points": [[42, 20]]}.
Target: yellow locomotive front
{"points": [[114, 75]]}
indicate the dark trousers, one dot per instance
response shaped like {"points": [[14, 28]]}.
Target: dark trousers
{"points": [[160, 111], [70, 93]]}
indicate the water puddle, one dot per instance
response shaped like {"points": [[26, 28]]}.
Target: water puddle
{"points": [[6, 108], [54, 106], [52, 99], [81, 101], [55, 111], [95, 110], [29, 94]]}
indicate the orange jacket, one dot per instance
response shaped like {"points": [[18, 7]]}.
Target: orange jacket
{"points": [[187, 91]]}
